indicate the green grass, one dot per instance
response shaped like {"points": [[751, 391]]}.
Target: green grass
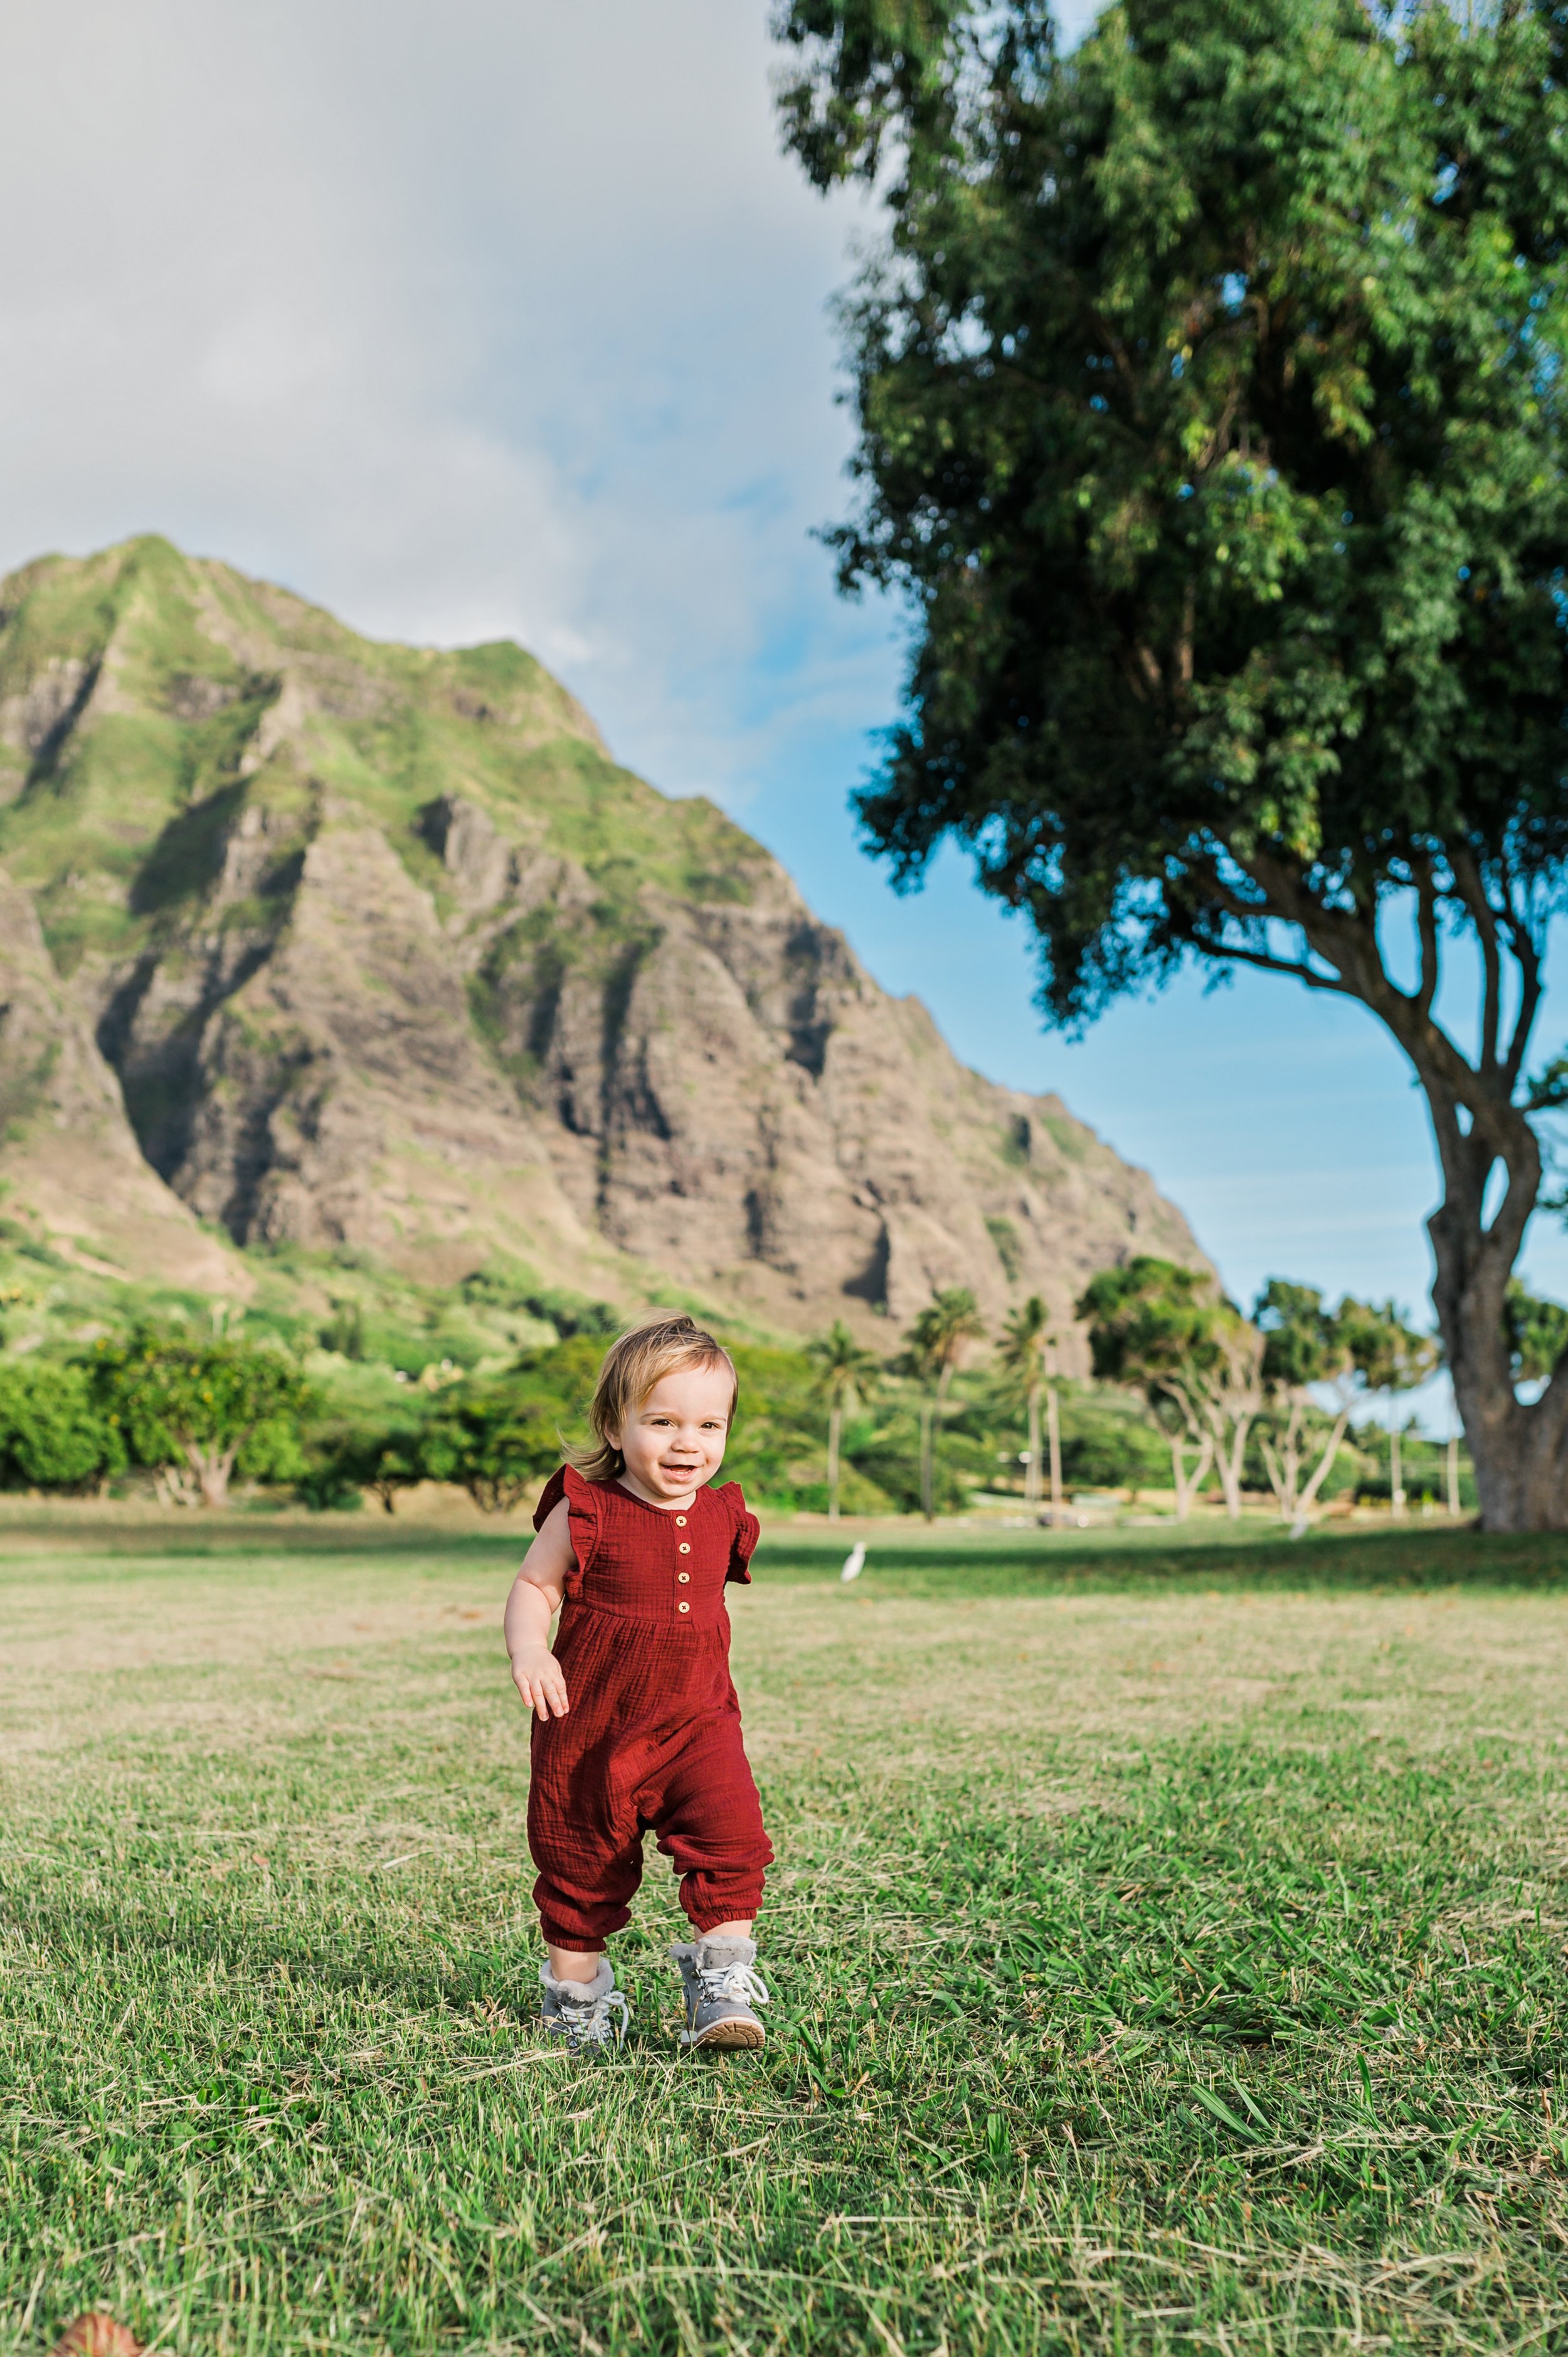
{"points": [[1167, 1948]]}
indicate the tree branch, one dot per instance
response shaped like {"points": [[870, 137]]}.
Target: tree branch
{"points": [[1269, 965], [1482, 916], [1426, 922]]}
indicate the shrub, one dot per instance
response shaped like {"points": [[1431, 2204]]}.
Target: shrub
{"points": [[495, 1440], [54, 1434]]}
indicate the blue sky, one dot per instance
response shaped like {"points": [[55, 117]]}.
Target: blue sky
{"points": [[509, 319]]}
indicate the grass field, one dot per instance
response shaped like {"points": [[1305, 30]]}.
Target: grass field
{"points": [[1168, 1941]]}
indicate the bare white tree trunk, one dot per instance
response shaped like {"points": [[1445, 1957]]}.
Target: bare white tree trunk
{"points": [[1283, 1463], [1324, 1465], [1031, 1470], [1186, 1489], [212, 1467], [1228, 1459]]}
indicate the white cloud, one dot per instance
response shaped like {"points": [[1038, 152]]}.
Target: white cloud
{"points": [[479, 320]]}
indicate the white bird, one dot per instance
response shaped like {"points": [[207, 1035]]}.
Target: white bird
{"points": [[854, 1561]]}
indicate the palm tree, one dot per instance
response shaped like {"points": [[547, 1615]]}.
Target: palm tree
{"points": [[1029, 1354], [844, 1373], [935, 1342]]}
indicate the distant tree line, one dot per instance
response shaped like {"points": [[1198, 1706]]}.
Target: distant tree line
{"points": [[1296, 1401]]}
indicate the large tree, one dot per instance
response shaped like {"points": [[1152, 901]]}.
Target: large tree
{"points": [[1212, 414], [195, 1409]]}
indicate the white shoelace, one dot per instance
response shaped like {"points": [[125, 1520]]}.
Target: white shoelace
{"points": [[588, 2020], [738, 1983]]}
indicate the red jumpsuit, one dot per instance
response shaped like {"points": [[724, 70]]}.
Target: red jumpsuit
{"points": [[652, 1737]]}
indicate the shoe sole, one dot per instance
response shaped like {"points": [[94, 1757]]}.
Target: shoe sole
{"points": [[731, 2034]]}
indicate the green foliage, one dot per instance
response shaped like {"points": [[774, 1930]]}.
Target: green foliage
{"points": [[1027, 1337], [569, 1312], [1386, 1350], [1004, 1234], [495, 1440], [383, 1456], [1108, 1443], [345, 1331], [1303, 1342], [1537, 1333], [1147, 1321], [1209, 414], [936, 1341], [845, 1371], [55, 1434]]}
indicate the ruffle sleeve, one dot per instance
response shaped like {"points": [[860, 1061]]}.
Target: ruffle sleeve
{"points": [[582, 1516], [744, 1532]]}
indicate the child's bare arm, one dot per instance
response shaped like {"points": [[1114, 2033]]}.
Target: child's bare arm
{"points": [[535, 1600]]}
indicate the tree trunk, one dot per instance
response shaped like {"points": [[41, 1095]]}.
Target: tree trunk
{"points": [[1053, 1422], [1031, 1470], [835, 1420], [1454, 1473], [1396, 1473], [927, 1507], [1229, 1462], [1283, 1464], [212, 1467], [1326, 1462], [1282, 1472], [1518, 1452], [1186, 1490]]}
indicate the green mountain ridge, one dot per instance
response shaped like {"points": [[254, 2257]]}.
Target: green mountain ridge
{"points": [[320, 949]]}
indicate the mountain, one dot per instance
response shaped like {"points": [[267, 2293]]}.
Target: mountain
{"points": [[316, 943]]}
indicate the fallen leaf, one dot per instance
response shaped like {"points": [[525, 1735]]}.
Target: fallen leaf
{"points": [[97, 2334]]}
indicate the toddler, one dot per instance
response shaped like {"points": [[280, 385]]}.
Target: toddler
{"points": [[636, 1722]]}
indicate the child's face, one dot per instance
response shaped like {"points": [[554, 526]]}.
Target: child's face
{"points": [[674, 1441]]}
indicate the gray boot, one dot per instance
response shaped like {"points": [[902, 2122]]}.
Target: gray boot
{"points": [[585, 2013], [721, 1990]]}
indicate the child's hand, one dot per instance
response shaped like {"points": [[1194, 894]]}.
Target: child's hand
{"points": [[536, 1674]]}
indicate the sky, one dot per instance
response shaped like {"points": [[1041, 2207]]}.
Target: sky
{"points": [[506, 319]]}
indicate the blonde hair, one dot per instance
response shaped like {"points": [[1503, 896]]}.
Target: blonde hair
{"points": [[641, 1358]]}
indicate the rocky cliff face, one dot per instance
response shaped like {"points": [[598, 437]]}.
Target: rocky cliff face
{"points": [[384, 950]]}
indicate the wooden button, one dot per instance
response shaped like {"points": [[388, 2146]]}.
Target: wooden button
{"points": [[684, 1577], [683, 1606], [685, 1547]]}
